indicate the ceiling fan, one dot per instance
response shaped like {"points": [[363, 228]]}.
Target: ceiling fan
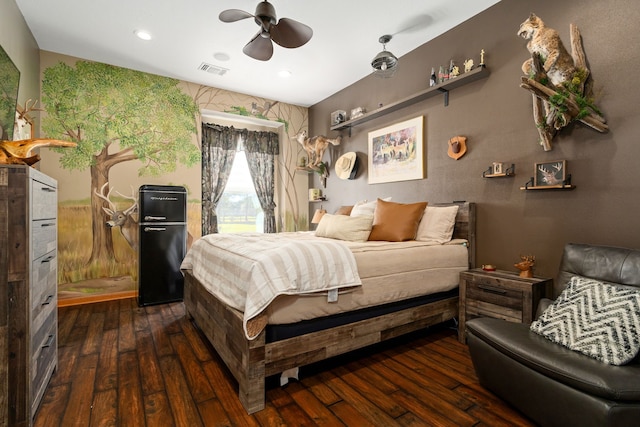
{"points": [[286, 32]]}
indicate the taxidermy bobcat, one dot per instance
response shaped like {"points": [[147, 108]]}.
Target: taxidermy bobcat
{"points": [[546, 42]]}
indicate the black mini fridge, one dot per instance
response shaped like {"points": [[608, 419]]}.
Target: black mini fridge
{"points": [[163, 243]]}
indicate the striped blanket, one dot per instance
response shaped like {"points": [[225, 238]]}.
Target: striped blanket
{"points": [[249, 270]]}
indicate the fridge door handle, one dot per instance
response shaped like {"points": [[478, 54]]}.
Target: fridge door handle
{"points": [[154, 218], [155, 229]]}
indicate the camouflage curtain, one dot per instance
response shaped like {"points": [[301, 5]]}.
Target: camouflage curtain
{"points": [[261, 149], [219, 146]]}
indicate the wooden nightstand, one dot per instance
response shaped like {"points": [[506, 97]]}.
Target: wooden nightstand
{"points": [[499, 294]]}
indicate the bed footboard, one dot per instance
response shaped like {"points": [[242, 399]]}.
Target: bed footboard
{"points": [[222, 326], [251, 361]]}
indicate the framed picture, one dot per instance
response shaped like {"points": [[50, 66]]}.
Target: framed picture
{"points": [[396, 152], [338, 117], [549, 174]]}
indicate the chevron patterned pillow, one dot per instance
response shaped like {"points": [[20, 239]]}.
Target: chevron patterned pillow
{"points": [[600, 320]]}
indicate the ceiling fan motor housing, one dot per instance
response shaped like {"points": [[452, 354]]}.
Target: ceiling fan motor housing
{"points": [[265, 15]]}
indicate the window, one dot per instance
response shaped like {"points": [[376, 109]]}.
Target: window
{"points": [[239, 209]]}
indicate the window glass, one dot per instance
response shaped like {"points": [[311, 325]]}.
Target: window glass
{"points": [[239, 209]]}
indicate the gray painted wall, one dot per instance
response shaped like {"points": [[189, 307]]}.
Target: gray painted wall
{"points": [[495, 114]]}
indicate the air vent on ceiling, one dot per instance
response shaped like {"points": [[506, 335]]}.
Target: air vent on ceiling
{"points": [[213, 69]]}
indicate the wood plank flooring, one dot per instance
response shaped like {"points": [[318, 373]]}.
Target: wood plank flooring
{"points": [[122, 365]]}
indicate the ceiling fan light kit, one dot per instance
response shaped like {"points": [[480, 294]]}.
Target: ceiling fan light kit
{"points": [[286, 32], [385, 64]]}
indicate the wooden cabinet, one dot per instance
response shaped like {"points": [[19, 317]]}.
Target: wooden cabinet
{"points": [[499, 294], [28, 224]]}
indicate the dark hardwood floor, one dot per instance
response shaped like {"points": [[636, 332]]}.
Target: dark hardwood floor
{"points": [[121, 365]]}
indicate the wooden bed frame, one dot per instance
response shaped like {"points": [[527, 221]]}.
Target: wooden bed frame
{"points": [[252, 361]]}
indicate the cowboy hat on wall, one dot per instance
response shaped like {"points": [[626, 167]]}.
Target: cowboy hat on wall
{"points": [[347, 166]]}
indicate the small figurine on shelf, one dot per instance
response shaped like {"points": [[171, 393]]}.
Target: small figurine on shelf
{"points": [[526, 265], [455, 72], [452, 66], [433, 80], [468, 65], [481, 58], [441, 74]]}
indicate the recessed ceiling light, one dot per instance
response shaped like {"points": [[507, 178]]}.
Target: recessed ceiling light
{"points": [[284, 73], [142, 34], [221, 56]]}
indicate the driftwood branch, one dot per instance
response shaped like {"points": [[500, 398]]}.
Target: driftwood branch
{"points": [[554, 107], [19, 152]]}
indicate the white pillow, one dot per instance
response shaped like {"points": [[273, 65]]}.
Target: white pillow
{"points": [[366, 208], [345, 227], [437, 224]]}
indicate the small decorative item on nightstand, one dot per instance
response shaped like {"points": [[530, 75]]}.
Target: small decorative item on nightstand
{"points": [[526, 265], [499, 294]]}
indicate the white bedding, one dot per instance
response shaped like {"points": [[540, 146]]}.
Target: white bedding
{"points": [[248, 271], [390, 271]]}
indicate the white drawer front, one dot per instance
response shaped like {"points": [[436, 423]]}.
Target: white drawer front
{"points": [[44, 283], [44, 237], [44, 200]]}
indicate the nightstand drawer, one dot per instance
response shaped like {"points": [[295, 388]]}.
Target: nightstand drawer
{"points": [[499, 294], [494, 294], [476, 308]]}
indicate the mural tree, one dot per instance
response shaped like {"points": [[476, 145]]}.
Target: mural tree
{"points": [[116, 115]]}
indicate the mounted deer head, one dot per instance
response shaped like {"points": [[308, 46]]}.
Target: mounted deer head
{"points": [[125, 219]]}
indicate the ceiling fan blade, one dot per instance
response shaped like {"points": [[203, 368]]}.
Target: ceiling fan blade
{"points": [[290, 33], [259, 48], [233, 15]]}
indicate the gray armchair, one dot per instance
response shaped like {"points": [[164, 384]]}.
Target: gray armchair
{"points": [[552, 385]]}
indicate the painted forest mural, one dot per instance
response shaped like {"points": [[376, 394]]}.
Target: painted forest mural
{"points": [[133, 128]]}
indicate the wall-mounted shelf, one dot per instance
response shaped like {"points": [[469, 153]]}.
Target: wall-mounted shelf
{"points": [[442, 88], [509, 172], [566, 185]]}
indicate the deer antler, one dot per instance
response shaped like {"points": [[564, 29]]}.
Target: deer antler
{"points": [[133, 197], [28, 108], [106, 198], [528, 258]]}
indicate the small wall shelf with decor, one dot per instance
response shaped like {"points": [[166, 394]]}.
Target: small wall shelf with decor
{"points": [[566, 185], [442, 88], [508, 172]]}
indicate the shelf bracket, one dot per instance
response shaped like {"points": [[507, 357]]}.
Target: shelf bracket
{"points": [[529, 183], [446, 96]]}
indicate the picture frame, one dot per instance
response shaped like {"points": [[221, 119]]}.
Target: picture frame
{"points": [[10, 78], [498, 168], [550, 174], [396, 152], [338, 117]]}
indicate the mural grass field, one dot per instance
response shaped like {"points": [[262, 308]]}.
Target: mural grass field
{"points": [[75, 242]]}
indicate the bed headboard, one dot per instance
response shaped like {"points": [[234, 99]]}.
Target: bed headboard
{"points": [[465, 227]]}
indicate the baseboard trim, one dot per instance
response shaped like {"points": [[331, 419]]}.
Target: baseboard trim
{"points": [[66, 302]]}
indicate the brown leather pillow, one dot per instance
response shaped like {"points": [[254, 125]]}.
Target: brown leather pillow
{"points": [[344, 210], [396, 222]]}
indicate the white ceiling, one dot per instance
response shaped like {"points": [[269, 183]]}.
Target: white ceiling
{"points": [[187, 33]]}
